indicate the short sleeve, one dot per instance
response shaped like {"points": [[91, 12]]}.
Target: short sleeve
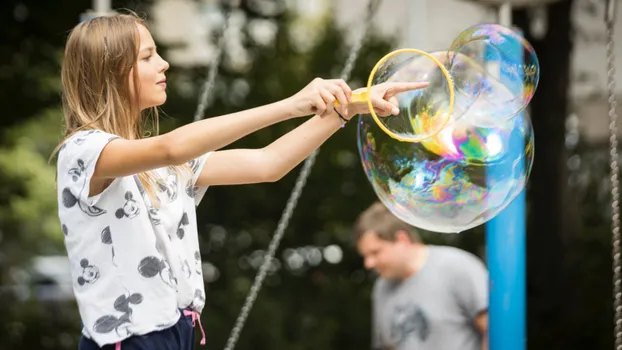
{"points": [[196, 166], [471, 278], [76, 164]]}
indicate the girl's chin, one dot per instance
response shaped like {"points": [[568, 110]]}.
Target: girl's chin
{"points": [[155, 102]]}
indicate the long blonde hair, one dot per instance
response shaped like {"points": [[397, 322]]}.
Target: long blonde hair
{"points": [[100, 55]]}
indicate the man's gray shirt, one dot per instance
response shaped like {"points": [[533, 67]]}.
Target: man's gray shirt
{"points": [[435, 308]]}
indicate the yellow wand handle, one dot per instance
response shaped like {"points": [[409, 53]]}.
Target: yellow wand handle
{"points": [[357, 97]]}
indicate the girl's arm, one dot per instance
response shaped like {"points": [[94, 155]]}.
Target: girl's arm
{"points": [[269, 164], [126, 157]]}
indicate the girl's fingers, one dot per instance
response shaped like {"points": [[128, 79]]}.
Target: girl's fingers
{"points": [[338, 92], [345, 88], [384, 105], [320, 106], [329, 101], [398, 87]]}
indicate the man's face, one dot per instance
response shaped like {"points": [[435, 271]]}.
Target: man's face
{"points": [[387, 258]]}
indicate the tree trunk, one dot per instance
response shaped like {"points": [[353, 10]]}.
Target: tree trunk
{"points": [[552, 218]]}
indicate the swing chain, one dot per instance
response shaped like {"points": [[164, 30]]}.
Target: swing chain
{"points": [[615, 184], [295, 195], [208, 86]]}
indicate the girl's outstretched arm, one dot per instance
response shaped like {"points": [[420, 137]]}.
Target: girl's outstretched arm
{"points": [[269, 164], [123, 157]]}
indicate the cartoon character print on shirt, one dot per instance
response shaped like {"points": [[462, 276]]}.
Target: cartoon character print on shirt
{"points": [[180, 226], [69, 200], [185, 267], [109, 323], [152, 266], [197, 263], [130, 209], [409, 320], [153, 213], [62, 147], [90, 273], [191, 190], [80, 139], [199, 299], [106, 238], [168, 186], [154, 216]]}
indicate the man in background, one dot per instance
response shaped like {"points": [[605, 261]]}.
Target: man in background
{"points": [[426, 297]]}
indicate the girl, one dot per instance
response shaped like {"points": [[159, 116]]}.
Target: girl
{"points": [[127, 203]]}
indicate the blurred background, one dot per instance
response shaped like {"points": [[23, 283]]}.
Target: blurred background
{"points": [[317, 293]]}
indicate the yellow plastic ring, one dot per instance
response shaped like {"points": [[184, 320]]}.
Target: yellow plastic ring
{"points": [[449, 83]]}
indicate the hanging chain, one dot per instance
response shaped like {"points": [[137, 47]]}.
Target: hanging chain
{"points": [[295, 195], [208, 86], [615, 182]]}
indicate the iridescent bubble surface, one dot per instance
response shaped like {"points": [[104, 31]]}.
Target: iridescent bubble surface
{"points": [[456, 181], [455, 164], [434, 102], [509, 66], [489, 71]]}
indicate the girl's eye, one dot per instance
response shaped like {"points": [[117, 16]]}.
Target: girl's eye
{"points": [[147, 58]]}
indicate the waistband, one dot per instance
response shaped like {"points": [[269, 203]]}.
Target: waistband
{"points": [[196, 317]]}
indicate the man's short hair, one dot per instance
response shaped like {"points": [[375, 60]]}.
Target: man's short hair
{"points": [[379, 220]]}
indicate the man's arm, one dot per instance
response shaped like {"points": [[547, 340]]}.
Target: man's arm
{"points": [[481, 323]]}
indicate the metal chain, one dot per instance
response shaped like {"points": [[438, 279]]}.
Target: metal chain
{"points": [[208, 86], [615, 182], [295, 195]]}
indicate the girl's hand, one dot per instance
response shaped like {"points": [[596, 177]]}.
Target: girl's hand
{"points": [[383, 98], [319, 98]]}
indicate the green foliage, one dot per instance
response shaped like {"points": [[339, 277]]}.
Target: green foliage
{"points": [[28, 207], [29, 227]]}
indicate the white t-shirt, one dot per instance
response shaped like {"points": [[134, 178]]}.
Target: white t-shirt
{"points": [[133, 265]]}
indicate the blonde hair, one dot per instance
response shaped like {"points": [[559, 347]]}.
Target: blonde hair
{"points": [[100, 55], [379, 220]]}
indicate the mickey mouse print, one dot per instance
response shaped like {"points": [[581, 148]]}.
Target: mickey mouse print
{"points": [[123, 279]]}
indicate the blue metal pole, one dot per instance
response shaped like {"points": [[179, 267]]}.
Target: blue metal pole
{"points": [[505, 240], [505, 255]]}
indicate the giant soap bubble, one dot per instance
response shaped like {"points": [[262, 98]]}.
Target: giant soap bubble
{"points": [[461, 149]]}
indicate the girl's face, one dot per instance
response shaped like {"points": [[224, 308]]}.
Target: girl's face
{"points": [[150, 68]]}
